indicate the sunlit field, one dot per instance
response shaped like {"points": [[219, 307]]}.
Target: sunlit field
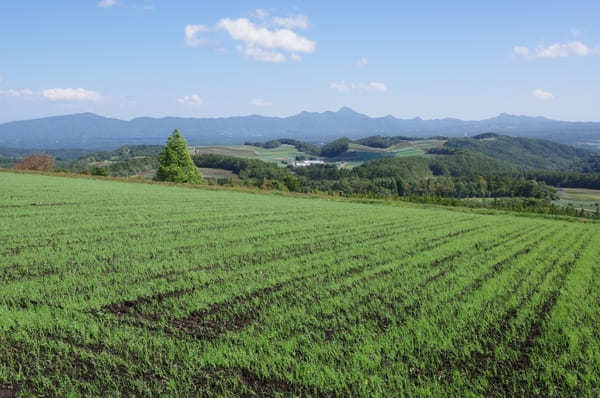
{"points": [[112, 288]]}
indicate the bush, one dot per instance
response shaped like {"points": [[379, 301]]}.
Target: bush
{"points": [[38, 162], [98, 171]]}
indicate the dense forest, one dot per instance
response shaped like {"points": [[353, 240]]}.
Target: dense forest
{"points": [[522, 153], [460, 175]]}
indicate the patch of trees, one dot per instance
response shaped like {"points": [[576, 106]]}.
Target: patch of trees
{"points": [[522, 153], [37, 162], [7, 162], [461, 175], [565, 179], [335, 148], [245, 168], [457, 164], [131, 167], [441, 151], [418, 176], [126, 152], [378, 141], [59, 155], [526, 205], [591, 164], [485, 136]]}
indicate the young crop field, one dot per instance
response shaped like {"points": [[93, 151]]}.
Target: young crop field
{"points": [[120, 289]]}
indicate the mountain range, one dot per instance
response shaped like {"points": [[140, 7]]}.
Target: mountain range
{"points": [[91, 131]]}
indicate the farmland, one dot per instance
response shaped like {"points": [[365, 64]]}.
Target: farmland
{"points": [[356, 154], [587, 199], [284, 153], [112, 288]]}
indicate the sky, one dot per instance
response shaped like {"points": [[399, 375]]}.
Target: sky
{"points": [[192, 58]]}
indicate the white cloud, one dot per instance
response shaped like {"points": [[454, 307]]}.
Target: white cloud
{"points": [[520, 50], [260, 42], [260, 13], [192, 39], [339, 86], [377, 86], [107, 3], [259, 54], [343, 87], [260, 102], [284, 39], [556, 50], [361, 62], [17, 93], [563, 50], [71, 94], [149, 7], [193, 99], [543, 95], [296, 21]]}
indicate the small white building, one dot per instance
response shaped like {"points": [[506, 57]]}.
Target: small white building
{"points": [[304, 163]]}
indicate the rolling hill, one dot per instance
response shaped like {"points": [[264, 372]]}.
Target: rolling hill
{"points": [[523, 153]]}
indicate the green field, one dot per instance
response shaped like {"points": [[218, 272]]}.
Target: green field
{"points": [[358, 154], [285, 153], [121, 289], [579, 198]]}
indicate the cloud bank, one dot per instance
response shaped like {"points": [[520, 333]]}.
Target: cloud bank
{"points": [[556, 50], [71, 94], [267, 41], [344, 87]]}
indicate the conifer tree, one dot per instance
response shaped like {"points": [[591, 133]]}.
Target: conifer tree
{"points": [[176, 164]]}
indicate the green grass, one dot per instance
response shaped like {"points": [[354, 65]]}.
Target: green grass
{"points": [[119, 289], [358, 154], [579, 198]]}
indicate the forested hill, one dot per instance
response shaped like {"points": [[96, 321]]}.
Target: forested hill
{"points": [[522, 153]]}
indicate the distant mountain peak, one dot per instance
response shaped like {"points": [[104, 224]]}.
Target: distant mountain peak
{"points": [[346, 110]]}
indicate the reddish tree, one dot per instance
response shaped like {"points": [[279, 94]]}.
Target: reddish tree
{"points": [[39, 162]]}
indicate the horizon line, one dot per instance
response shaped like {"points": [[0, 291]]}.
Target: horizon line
{"points": [[343, 108]]}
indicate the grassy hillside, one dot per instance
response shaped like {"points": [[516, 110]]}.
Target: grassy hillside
{"points": [[524, 153], [587, 199], [112, 289]]}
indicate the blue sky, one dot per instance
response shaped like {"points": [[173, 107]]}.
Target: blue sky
{"points": [[465, 59]]}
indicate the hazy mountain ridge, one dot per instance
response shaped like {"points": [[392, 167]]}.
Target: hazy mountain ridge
{"points": [[91, 131]]}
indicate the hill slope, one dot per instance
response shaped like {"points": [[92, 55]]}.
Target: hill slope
{"points": [[523, 153], [89, 131]]}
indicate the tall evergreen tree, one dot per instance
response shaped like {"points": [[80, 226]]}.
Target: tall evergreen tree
{"points": [[176, 163]]}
